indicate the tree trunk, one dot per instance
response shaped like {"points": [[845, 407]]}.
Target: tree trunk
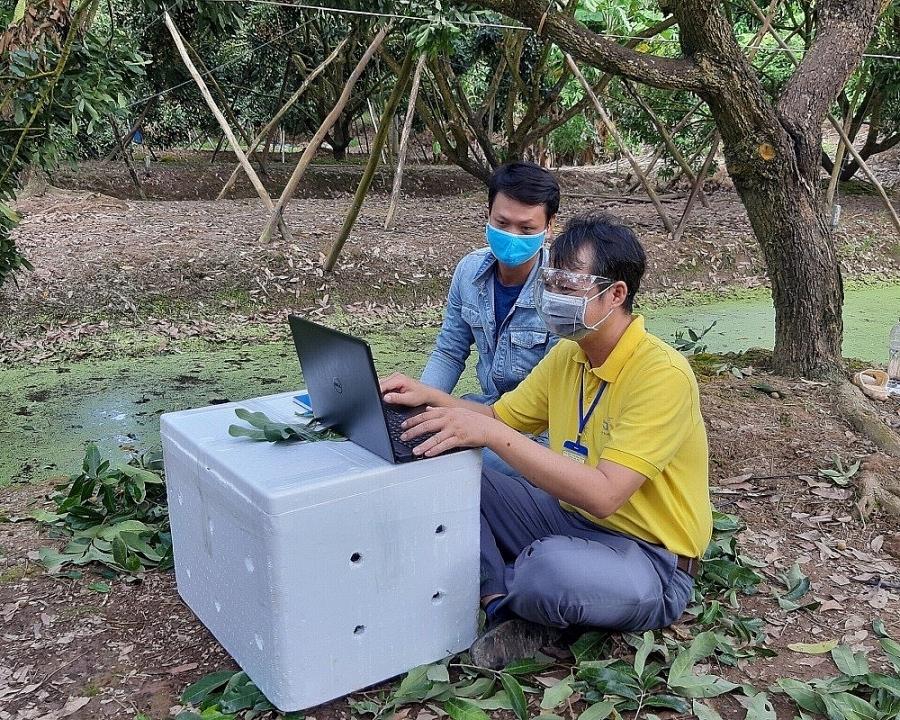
{"points": [[772, 148], [340, 136], [784, 208]]}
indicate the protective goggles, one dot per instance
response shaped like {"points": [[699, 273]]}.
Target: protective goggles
{"points": [[568, 282]]}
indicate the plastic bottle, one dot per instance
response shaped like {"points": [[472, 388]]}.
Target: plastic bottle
{"points": [[894, 359]]}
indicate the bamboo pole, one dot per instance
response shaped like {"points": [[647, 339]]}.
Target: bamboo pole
{"points": [[837, 126], [867, 170], [377, 144], [223, 123], [666, 137], [223, 100], [316, 140], [696, 189], [281, 113], [838, 165], [375, 125], [212, 160], [127, 158], [404, 142], [611, 127], [697, 153]]}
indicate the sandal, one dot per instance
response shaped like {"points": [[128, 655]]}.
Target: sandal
{"points": [[873, 383]]}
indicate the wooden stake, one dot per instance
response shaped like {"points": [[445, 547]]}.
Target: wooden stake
{"points": [[838, 165], [316, 140], [212, 160], [149, 105], [223, 123], [667, 138], [377, 144], [375, 128], [695, 190], [223, 99], [127, 158], [281, 113], [404, 142], [611, 126]]}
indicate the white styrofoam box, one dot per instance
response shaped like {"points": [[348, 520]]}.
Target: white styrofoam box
{"points": [[320, 567]]}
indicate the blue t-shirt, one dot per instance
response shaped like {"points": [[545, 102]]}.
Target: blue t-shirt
{"points": [[505, 297]]}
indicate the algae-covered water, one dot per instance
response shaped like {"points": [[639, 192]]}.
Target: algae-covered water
{"points": [[49, 412], [869, 314]]}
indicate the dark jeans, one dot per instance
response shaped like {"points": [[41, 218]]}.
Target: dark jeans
{"points": [[555, 567]]}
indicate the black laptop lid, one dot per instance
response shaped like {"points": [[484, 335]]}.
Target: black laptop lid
{"points": [[342, 384]]}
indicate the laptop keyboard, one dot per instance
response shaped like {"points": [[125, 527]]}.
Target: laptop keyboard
{"points": [[394, 417]]}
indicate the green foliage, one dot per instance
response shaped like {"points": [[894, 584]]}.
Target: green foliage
{"points": [[691, 344], [263, 428], [573, 139], [797, 585], [839, 473], [220, 695], [855, 694], [60, 75], [115, 515]]}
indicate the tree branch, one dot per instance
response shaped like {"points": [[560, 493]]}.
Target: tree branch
{"points": [[589, 47], [843, 30], [541, 130]]}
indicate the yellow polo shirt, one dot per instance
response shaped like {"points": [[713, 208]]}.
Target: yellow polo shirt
{"points": [[648, 419]]}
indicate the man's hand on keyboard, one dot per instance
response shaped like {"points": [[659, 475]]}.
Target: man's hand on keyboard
{"points": [[400, 389], [450, 428]]}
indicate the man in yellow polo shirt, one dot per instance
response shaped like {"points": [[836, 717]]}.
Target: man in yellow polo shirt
{"points": [[607, 525]]}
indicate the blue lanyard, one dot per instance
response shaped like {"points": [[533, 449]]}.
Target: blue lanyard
{"points": [[582, 418]]}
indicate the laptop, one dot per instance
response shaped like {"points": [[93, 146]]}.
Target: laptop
{"points": [[344, 393]]}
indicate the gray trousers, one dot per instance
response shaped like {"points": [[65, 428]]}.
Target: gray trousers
{"points": [[556, 568]]}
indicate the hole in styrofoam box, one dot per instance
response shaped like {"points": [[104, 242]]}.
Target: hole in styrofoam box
{"points": [[248, 563], [188, 572], [356, 558], [218, 606], [440, 529], [211, 528], [259, 642], [437, 597], [359, 629]]}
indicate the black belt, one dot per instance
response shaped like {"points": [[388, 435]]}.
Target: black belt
{"points": [[689, 565]]}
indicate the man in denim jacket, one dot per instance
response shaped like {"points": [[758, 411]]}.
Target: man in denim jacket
{"points": [[491, 302]]}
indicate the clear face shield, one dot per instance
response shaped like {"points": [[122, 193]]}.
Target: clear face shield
{"points": [[561, 298]]}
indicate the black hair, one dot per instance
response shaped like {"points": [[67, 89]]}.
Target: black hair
{"points": [[616, 252], [526, 182]]}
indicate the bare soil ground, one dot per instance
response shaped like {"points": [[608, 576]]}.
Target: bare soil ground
{"points": [[190, 268], [136, 648], [99, 257]]}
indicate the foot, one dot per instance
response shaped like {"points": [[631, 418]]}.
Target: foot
{"points": [[510, 640]]}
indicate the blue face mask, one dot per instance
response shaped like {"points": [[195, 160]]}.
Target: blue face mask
{"points": [[513, 249]]}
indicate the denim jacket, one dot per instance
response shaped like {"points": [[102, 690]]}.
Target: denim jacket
{"points": [[504, 358]]}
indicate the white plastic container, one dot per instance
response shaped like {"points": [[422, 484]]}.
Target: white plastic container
{"points": [[894, 355], [320, 567]]}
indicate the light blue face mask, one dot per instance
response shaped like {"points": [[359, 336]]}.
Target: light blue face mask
{"points": [[564, 314], [511, 249]]}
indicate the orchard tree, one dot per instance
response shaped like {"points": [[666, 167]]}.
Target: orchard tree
{"points": [[59, 78], [772, 143]]}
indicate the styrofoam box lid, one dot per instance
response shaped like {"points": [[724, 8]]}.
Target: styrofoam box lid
{"points": [[281, 477]]}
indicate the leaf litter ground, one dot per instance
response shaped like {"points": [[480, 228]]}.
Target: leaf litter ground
{"points": [[102, 647]]}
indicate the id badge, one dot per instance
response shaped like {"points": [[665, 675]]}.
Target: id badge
{"points": [[575, 450]]}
